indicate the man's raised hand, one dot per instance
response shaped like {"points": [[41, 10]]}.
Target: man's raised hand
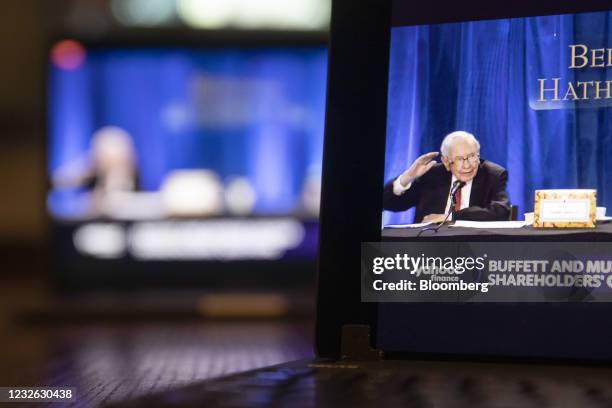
{"points": [[420, 166]]}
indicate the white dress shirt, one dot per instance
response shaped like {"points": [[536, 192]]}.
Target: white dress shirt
{"points": [[399, 189]]}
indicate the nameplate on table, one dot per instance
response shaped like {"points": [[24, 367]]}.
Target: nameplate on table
{"points": [[564, 209]]}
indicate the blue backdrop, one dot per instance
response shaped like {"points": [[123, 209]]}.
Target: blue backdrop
{"points": [[482, 77], [256, 113]]}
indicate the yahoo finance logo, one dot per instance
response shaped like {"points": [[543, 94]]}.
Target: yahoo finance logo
{"points": [[428, 265]]}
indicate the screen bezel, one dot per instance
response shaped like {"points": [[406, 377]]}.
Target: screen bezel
{"points": [[353, 167]]}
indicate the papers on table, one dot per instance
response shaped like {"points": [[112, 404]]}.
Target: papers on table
{"points": [[488, 224], [419, 225], [466, 224]]}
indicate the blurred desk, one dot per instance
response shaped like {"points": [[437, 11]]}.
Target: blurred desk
{"points": [[603, 232]]}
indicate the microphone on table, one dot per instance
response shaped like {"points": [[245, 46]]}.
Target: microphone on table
{"points": [[457, 185]]}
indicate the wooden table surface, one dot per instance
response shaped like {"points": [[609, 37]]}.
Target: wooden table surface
{"points": [[112, 361]]}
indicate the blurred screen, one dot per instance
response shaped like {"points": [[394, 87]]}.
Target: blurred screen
{"points": [[184, 153]]}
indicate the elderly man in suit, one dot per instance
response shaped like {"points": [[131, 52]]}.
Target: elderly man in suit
{"points": [[427, 185]]}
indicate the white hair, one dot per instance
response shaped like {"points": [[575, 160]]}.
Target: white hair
{"points": [[450, 139]]}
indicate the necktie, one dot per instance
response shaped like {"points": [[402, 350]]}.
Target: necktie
{"points": [[458, 200]]}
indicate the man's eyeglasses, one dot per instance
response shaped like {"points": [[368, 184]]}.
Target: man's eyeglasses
{"points": [[470, 158]]}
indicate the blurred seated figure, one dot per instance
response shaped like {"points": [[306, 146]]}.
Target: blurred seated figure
{"points": [[109, 167], [114, 161]]}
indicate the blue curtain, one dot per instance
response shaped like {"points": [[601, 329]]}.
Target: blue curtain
{"points": [[482, 77]]}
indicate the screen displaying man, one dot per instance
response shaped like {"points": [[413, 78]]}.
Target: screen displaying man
{"points": [[427, 184]]}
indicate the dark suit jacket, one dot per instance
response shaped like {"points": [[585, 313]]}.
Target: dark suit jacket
{"points": [[429, 193]]}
